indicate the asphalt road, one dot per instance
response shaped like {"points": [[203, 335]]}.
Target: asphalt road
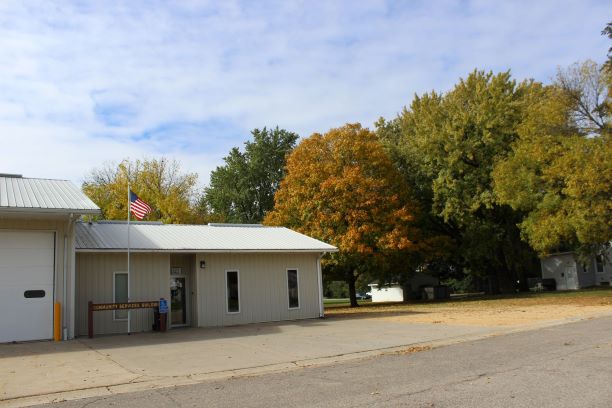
{"points": [[561, 366]]}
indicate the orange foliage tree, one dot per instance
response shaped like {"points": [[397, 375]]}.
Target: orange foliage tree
{"points": [[342, 188]]}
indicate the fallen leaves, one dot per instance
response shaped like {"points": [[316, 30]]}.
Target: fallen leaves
{"points": [[413, 349]]}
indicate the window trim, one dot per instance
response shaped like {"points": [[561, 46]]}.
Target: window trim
{"points": [[297, 275], [115, 318], [227, 311]]}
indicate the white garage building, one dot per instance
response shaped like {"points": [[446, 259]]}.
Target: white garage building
{"points": [[37, 218]]}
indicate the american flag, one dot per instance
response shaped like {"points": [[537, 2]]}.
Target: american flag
{"points": [[138, 207]]}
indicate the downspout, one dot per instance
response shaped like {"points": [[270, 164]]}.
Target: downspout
{"points": [[73, 306], [64, 294], [66, 316], [320, 281]]}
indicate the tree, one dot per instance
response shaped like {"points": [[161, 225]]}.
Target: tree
{"points": [[446, 258], [584, 89], [559, 174], [448, 146], [342, 188], [607, 31], [159, 182], [242, 190]]}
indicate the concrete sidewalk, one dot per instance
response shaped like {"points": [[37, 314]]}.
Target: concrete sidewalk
{"points": [[40, 372]]}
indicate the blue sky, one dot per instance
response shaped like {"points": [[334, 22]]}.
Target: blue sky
{"points": [[87, 82]]}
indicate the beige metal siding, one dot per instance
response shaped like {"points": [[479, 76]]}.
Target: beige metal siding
{"points": [[263, 288], [149, 277]]}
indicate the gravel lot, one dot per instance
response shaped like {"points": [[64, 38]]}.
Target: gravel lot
{"points": [[492, 311]]}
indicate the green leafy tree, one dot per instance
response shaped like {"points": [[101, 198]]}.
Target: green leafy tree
{"points": [[447, 146], [242, 190], [559, 174], [159, 182], [446, 258]]}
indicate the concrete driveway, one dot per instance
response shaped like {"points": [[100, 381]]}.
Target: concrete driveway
{"points": [[46, 371]]}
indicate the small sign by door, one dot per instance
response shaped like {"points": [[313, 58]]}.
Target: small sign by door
{"points": [[163, 305]]}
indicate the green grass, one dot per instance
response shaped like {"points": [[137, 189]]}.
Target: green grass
{"points": [[343, 302]]}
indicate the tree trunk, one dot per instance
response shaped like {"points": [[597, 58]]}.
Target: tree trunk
{"points": [[505, 279], [406, 289], [351, 286]]}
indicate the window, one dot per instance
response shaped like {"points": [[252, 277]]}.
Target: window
{"points": [[232, 291], [292, 288], [599, 263], [120, 294]]}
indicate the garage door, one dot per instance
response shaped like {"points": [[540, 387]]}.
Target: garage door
{"points": [[26, 285]]}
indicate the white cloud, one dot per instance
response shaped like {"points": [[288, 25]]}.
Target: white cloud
{"points": [[82, 83]]}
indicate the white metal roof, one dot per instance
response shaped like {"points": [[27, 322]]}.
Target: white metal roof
{"points": [[153, 237], [19, 194]]}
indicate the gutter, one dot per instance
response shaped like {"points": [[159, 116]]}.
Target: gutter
{"points": [[66, 211], [64, 294], [320, 282], [68, 309], [73, 289]]}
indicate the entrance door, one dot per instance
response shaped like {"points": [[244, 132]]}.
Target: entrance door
{"points": [[178, 301], [26, 285]]}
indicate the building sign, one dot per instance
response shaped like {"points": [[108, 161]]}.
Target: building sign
{"points": [[97, 307]]}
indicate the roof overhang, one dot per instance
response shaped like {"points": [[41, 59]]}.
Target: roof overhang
{"points": [[558, 254], [206, 251]]}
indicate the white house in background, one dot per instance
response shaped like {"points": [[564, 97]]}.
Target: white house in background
{"points": [[569, 273], [386, 293], [52, 265], [395, 292]]}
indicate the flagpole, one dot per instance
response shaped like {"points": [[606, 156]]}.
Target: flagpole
{"points": [[128, 250]]}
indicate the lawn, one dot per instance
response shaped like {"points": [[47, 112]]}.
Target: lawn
{"points": [[501, 310], [343, 302]]}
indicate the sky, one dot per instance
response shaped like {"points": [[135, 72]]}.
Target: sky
{"points": [[86, 83]]}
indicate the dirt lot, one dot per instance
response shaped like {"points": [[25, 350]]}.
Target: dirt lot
{"points": [[490, 311]]}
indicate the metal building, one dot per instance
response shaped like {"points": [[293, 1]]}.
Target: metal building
{"points": [[52, 265], [211, 275]]}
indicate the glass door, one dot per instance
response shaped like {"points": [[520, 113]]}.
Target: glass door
{"points": [[178, 301]]}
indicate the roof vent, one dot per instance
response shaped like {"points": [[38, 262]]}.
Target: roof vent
{"points": [[8, 175], [133, 222]]}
